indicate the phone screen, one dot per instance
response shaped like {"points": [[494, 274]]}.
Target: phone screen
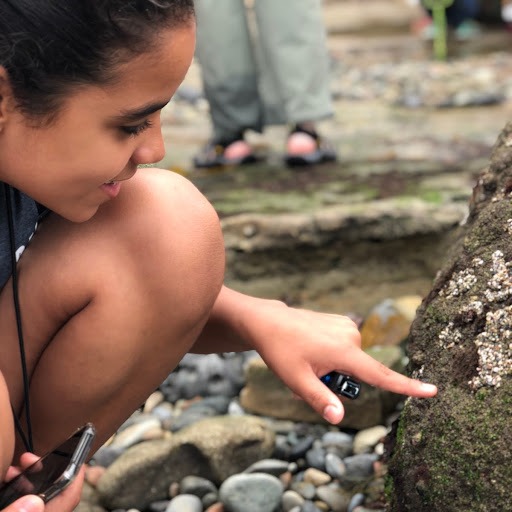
{"points": [[52, 473]]}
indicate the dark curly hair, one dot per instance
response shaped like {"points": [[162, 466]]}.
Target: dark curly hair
{"points": [[48, 47]]}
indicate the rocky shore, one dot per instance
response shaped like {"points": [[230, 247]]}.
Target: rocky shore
{"points": [[223, 434]]}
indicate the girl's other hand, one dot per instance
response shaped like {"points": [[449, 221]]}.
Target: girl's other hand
{"points": [[64, 502]]}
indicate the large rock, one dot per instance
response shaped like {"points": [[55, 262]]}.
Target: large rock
{"points": [[214, 448], [453, 452], [267, 395]]}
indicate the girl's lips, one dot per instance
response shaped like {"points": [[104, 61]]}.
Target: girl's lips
{"points": [[111, 189]]}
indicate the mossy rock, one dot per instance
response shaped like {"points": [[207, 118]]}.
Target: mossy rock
{"points": [[452, 453]]}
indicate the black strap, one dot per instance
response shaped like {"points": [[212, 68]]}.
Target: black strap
{"points": [[27, 440]]}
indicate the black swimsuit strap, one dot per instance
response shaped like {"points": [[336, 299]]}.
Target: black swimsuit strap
{"points": [[27, 440]]}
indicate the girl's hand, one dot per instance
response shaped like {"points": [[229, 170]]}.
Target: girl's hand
{"points": [[300, 346], [28, 503], [64, 502]]}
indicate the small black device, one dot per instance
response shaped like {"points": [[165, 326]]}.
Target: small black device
{"points": [[342, 385], [52, 473]]}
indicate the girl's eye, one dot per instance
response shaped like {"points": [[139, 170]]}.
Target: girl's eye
{"points": [[136, 129]]}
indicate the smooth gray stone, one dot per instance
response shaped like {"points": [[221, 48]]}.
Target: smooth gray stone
{"points": [[159, 506], [274, 467], [197, 486], [339, 443], [335, 466], [185, 503], [300, 448], [316, 458], [282, 449], [209, 499], [251, 492], [306, 489], [360, 466], [163, 411], [309, 506], [356, 501], [106, 455], [291, 500], [218, 404]]}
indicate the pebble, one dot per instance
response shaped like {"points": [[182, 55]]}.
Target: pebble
{"points": [[164, 412], [153, 400], [356, 501], [197, 486], [210, 499], [306, 489], [315, 458], [300, 447], [216, 507], [335, 466], [135, 433], [309, 506], [366, 440], [337, 499], [286, 479], [290, 500], [185, 503], [316, 477], [360, 467], [106, 455], [254, 492], [274, 467], [93, 474], [339, 443]]}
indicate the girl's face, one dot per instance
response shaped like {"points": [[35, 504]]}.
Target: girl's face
{"points": [[101, 135]]}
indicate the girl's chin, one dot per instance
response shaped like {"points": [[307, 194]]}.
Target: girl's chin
{"points": [[78, 215]]}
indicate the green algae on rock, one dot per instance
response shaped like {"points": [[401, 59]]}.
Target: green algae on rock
{"points": [[453, 452]]}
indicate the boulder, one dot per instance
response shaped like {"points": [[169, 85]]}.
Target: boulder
{"points": [[214, 448], [453, 452]]}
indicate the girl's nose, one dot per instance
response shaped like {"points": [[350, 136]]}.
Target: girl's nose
{"points": [[151, 149]]}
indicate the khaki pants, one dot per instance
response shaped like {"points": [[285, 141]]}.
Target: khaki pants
{"points": [[272, 71]]}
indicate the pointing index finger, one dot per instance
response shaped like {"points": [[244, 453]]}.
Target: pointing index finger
{"points": [[376, 374]]}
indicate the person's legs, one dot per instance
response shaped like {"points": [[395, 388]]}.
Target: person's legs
{"points": [[295, 77], [295, 60], [462, 10], [225, 54], [110, 306]]}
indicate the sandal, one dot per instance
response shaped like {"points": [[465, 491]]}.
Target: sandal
{"points": [[305, 147], [223, 154]]}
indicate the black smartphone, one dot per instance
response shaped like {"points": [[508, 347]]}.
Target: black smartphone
{"points": [[342, 385], [53, 472]]}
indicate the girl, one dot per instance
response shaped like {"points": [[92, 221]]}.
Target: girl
{"points": [[124, 274]]}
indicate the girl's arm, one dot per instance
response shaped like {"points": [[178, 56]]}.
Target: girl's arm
{"points": [[299, 346]]}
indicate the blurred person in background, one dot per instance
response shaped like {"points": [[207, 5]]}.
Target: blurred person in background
{"points": [[461, 17], [279, 76]]}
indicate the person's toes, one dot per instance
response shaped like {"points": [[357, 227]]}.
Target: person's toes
{"points": [[237, 150], [300, 143]]}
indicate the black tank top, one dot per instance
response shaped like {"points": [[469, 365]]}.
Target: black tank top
{"points": [[25, 217]]}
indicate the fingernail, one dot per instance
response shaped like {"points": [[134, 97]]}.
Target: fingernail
{"points": [[429, 388], [332, 413], [31, 504]]}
